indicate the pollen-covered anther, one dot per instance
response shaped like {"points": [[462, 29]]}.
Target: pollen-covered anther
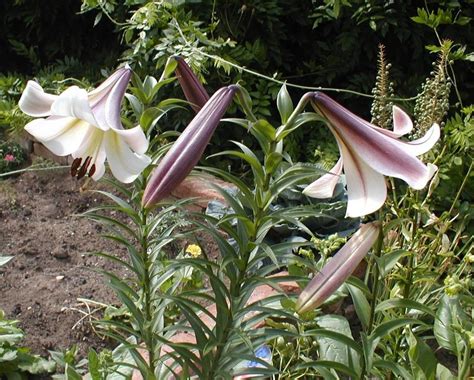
{"points": [[83, 170], [75, 165], [91, 171]]}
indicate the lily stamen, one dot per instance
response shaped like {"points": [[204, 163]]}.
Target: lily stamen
{"points": [[75, 165], [83, 170]]}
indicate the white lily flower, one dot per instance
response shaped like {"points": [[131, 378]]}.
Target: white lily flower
{"points": [[88, 127], [368, 153]]}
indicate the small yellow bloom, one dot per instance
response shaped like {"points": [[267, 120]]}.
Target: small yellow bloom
{"points": [[194, 250]]}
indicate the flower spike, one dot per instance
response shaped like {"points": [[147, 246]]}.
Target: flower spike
{"points": [[193, 90], [338, 269], [88, 127], [188, 148], [368, 153]]}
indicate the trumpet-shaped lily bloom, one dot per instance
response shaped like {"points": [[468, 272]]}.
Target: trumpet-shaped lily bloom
{"points": [[88, 127], [368, 153], [188, 148], [338, 269], [193, 90]]}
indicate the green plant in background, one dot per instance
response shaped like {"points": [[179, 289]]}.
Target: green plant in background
{"points": [[12, 157], [17, 362]]}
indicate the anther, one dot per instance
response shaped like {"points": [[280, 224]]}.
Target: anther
{"points": [[83, 170], [75, 165], [92, 170]]}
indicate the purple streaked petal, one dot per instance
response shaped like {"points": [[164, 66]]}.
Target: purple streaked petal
{"points": [[382, 153], [366, 189], [423, 144], [402, 123], [338, 269], [324, 186], [103, 89], [106, 103], [114, 100], [34, 101], [188, 148]]}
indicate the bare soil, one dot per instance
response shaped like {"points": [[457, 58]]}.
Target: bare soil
{"points": [[52, 265]]}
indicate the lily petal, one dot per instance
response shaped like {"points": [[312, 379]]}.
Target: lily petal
{"points": [[88, 127], [35, 102], [338, 269], [385, 155], [324, 186], [60, 135], [425, 143], [114, 100], [135, 138], [402, 123], [366, 189], [92, 147], [124, 164], [74, 102], [97, 94]]}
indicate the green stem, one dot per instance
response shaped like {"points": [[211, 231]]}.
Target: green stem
{"points": [[375, 279], [461, 188], [235, 287], [411, 258], [147, 297], [375, 291]]}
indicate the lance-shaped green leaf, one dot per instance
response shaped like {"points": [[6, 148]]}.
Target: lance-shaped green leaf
{"points": [[368, 153], [193, 90], [188, 148], [338, 269]]}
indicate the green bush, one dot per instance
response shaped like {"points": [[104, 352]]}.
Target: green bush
{"points": [[12, 157]]}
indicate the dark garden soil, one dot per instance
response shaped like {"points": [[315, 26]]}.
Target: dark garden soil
{"points": [[52, 265]]}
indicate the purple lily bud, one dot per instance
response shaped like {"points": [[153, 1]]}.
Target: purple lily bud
{"points": [[194, 91], [188, 148], [338, 269]]}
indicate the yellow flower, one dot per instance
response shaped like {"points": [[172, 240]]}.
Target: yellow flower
{"points": [[194, 250]]}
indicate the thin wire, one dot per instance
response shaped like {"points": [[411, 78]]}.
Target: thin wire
{"points": [[33, 169], [288, 84]]}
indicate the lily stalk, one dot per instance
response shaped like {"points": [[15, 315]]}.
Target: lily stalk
{"points": [[338, 269], [368, 153], [188, 148], [192, 87], [87, 125]]}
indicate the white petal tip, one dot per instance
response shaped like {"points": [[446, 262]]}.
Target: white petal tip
{"points": [[318, 192], [402, 123]]}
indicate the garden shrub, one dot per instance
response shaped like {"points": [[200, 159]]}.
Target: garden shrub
{"points": [[12, 157]]}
